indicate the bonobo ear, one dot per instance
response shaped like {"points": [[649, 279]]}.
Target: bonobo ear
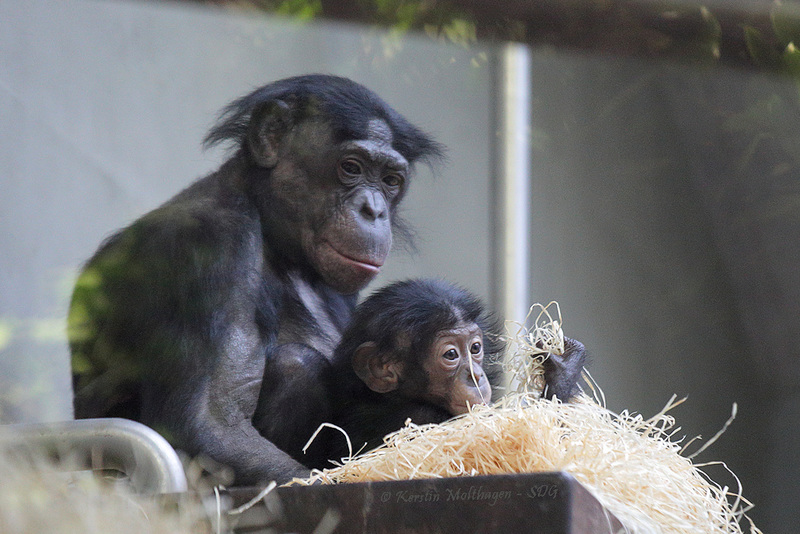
{"points": [[380, 376], [269, 123]]}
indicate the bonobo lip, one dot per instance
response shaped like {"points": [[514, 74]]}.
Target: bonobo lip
{"points": [[367, 265], [460, 407]]}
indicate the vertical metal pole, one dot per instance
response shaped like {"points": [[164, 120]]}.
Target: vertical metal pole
{"points": [[512, 194]]}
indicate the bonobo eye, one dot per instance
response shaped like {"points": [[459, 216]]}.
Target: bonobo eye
{"points": [[451, 354], [351, 166], [393, 180], [475, 348]]}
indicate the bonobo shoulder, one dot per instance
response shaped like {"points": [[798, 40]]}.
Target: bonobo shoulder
{"points": [[198, 237], [207, 217]]}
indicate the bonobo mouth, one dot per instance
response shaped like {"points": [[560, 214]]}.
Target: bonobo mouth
{"points": [[370, 265], [462, 406]]}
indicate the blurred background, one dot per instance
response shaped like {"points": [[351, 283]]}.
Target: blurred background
{"points": [[655, 150]]}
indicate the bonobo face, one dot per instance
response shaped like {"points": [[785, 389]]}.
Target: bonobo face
{"points": [[455, 372], [353, 244], [342, 197]]}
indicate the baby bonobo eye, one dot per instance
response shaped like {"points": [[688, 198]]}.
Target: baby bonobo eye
{"points": [[451, 354], [476, 348]]}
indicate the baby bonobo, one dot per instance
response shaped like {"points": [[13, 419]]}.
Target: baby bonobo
{"points": [[419, 349]]}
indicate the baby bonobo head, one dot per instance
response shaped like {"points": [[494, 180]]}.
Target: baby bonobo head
{"points": [[425, 341]]}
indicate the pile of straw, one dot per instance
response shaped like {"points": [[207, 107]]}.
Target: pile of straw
{"points": [[632, 465], [39, 495], [42, 494]]}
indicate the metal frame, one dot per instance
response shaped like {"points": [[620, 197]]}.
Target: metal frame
{"points": [[150, 463], [513, 182]]}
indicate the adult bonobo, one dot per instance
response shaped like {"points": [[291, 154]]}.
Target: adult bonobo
{"points": [[173, 318]]}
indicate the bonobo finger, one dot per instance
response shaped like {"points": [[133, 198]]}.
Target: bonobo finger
{"points": [[562, 372], [573, 347]]}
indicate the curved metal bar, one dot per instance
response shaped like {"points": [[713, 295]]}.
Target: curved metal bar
{"points": [[150, 463]]}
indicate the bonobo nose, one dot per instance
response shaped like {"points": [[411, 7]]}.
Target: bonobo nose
{"points": [[373, 206], [475, 377]]}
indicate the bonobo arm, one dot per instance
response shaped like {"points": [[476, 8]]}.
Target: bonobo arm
{"points": [[214, 413], [294, 399], [227, 435], [213, 391], [562, 372], [177, 311]]}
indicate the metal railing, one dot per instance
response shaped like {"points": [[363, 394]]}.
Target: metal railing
{"points": [[151, 465]]}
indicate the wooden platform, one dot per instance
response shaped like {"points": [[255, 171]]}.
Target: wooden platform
{"points": [[552, 503]]}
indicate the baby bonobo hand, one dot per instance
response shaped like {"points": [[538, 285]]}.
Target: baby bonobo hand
{"points": [[562, 371]]}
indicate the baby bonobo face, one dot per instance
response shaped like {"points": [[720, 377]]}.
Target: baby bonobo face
{"points": [[454, 366]]}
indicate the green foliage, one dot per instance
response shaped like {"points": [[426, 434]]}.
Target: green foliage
{"points": [[791, 61], [778, 51], [770, 123], [458, 31], [786, 22], [760, 50], [401, 14], [301, 9]]}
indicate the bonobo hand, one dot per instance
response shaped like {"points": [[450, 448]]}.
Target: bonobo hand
{"points": [[561, 372]]}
